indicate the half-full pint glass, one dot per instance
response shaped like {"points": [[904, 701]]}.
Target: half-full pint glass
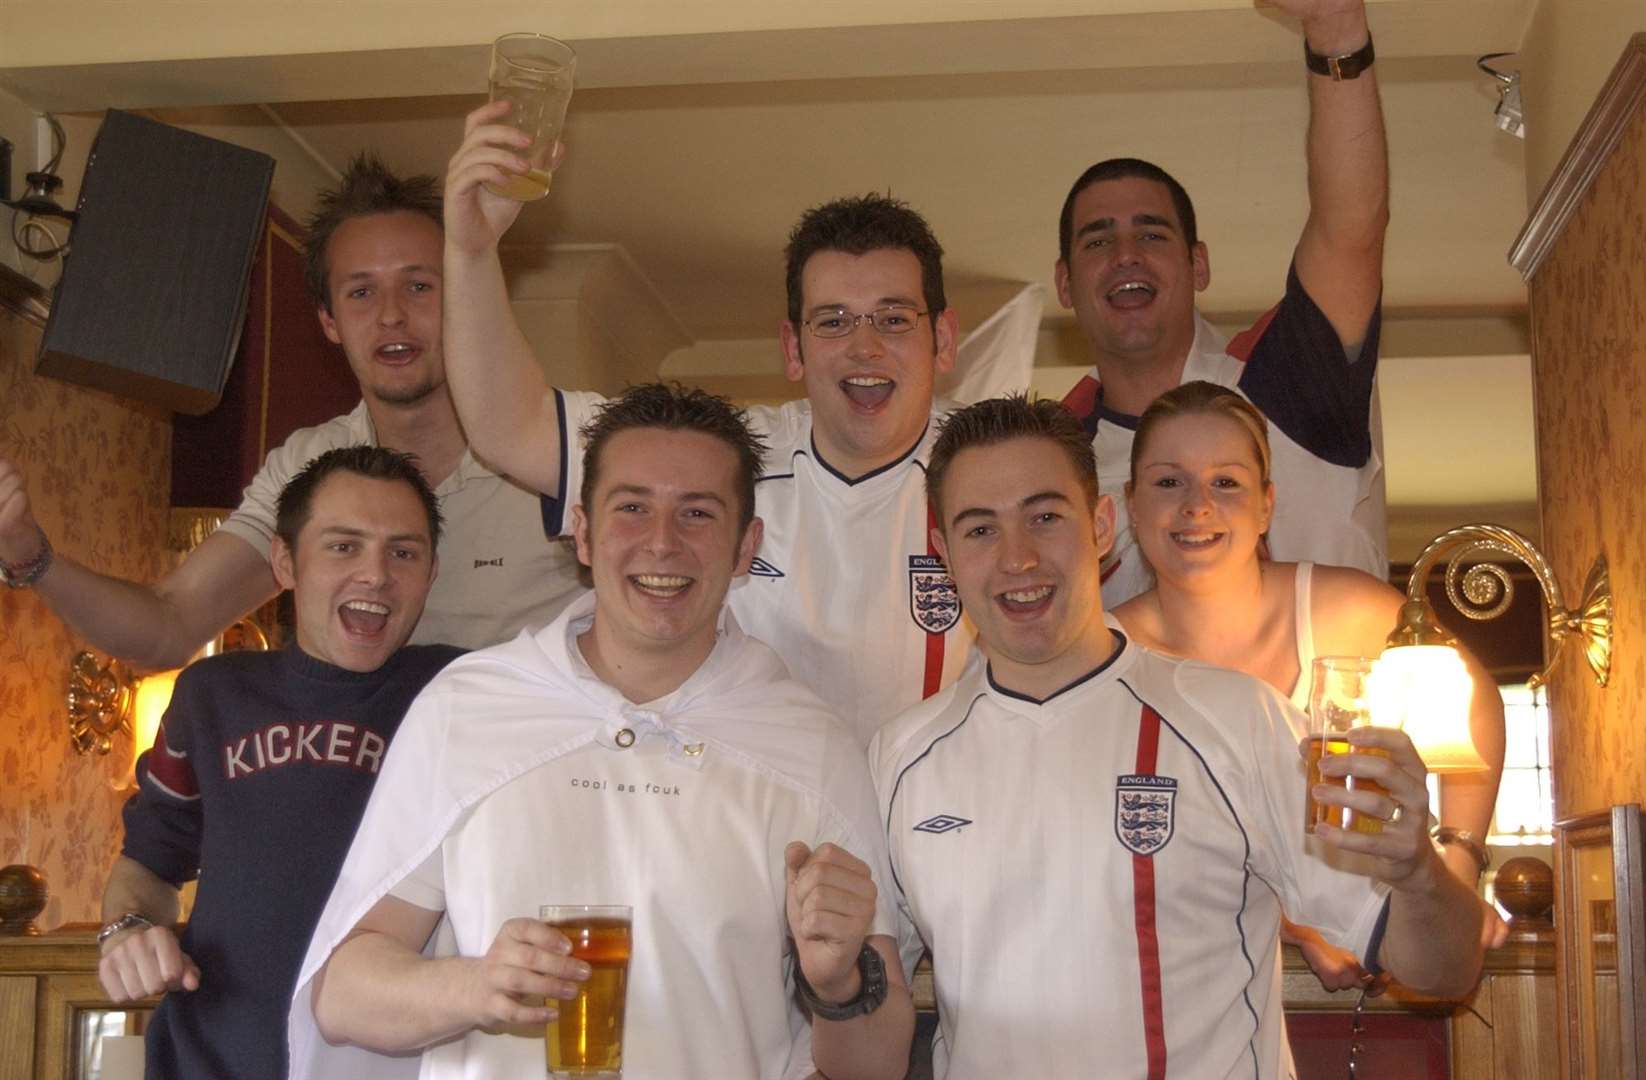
{"points": [[534, 74], [1339, 700], [586, 1040]]}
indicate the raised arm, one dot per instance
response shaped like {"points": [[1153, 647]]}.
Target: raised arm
{"points": [[153, 626], [503, 400], [1340, 254], [379, 992]]}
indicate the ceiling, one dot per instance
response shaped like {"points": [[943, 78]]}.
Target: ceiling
{"points": [[700, 132]]}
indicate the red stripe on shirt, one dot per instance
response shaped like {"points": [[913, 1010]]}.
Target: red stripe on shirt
{"points": [[1082, 398], [934, 642], [1242, 344], [171, 768], [1143, 911]]}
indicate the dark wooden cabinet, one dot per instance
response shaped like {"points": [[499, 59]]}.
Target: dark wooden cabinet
{"points": [[286, 375]]}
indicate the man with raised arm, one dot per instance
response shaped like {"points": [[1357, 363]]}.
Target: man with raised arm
{"points": [[262, 768], [1094, 839], [1130, 262], [372, 264], [640, 750], [846, 587]]}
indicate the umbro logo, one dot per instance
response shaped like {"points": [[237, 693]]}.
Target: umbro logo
{"points": [[478, 563], [942, 823], [761, 568]]}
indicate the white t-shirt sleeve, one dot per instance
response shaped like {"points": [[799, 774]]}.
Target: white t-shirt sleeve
{"points": [[851, 820], [425, 886], [574, 409]]}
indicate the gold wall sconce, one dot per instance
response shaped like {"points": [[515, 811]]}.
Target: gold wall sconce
{"points": [[106, 699], [1423, 676]]}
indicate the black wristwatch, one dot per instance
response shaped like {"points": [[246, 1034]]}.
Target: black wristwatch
{"points": [[1344, 66], [869, 997]]}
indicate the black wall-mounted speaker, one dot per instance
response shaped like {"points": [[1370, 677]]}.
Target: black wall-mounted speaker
{"points": [[152, 296]]}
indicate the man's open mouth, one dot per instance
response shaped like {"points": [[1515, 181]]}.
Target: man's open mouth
{"points": [[867, 391]]}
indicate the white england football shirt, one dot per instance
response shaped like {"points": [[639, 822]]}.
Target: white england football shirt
{"points": [[1328, 475], [846, 586], [1100, 876]]}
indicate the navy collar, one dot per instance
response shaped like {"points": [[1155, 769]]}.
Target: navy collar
{"points": [[872, 473], [1108, 662]]}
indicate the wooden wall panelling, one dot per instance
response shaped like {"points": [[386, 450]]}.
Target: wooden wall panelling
{"points": [[1588, 299], [17, 1005]]}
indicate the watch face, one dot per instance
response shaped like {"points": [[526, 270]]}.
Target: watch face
{"points": [[1342, 66]]}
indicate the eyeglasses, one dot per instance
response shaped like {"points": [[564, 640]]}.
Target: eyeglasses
{"points": [[891, 319]]}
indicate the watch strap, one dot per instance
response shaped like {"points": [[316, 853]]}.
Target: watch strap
{"points": [[871, 993], [1342, 66], [1468, 841]]}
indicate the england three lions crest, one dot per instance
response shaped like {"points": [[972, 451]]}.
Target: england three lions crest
{"points": [[933, 601], [1143, 812]]}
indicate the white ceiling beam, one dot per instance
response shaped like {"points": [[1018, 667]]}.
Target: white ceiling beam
{"points": [[161, 54]]}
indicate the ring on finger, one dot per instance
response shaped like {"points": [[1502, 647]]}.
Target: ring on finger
{"points": [[1394, 818]]}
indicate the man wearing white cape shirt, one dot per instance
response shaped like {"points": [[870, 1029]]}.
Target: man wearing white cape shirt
{"points": [[640, 750], [1096, 839]]}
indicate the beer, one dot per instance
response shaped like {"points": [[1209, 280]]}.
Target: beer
{"points": [[586, 1040], [533, 185], [1347, 818]]}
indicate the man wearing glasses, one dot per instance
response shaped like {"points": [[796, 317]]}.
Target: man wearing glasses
{"points": [[846, 587]]}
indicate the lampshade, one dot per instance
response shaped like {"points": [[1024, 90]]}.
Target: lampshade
{"points": [[153, 695], [1426, 691]]}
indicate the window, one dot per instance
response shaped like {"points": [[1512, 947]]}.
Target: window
{"points": [[1525, 799]]}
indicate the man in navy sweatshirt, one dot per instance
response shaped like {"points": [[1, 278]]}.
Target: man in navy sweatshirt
{"points": [[262, 768]]}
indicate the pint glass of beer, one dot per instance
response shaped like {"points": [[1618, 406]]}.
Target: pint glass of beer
{"points": [[586, 1040], [533, 73], [1339, 700]]}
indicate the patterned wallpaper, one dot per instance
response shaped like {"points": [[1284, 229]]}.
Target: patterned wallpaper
{"points": [[98, 470], [1589, 372]]}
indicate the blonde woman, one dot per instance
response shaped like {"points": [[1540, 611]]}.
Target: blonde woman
{"points": [[1200, 501]]}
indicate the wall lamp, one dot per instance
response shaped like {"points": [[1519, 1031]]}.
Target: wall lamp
{"points": [[1420, 678], [105, 699]]}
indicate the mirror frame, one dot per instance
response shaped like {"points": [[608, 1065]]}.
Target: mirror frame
{"points": [[1619, 832]]}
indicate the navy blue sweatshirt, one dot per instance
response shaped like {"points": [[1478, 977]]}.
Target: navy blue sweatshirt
{"points": [[256, 785]]}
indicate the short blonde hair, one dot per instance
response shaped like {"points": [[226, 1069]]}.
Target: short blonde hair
{"points": [[1199, 398]]}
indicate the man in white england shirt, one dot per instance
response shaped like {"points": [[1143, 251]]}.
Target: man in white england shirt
{"points": [[1092, 838], [846, 587], [1131, 263]]}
